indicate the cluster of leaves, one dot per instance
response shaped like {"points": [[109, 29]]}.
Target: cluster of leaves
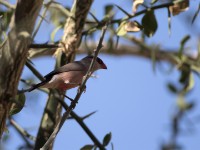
{"points": [[106, 141]]}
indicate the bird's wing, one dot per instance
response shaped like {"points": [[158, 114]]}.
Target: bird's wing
{"points": [[74, 66]]}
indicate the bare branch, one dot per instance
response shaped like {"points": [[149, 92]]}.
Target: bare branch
{"points": [[22, 131], [41, 19]]}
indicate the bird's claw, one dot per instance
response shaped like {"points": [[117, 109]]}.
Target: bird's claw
{"points": [[84, 89]]}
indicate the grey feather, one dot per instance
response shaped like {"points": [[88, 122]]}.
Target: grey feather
{"points": [[74, 66]]}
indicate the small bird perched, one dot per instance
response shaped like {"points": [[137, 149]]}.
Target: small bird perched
{"points": [[68, 76]]}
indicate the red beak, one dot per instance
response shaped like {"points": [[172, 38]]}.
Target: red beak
{"points": [[103, 66]]}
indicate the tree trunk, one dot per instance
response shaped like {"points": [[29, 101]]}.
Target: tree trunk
{"points": [[13, 53]]}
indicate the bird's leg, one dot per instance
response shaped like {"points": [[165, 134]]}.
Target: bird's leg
{"points": [[84, 88], [63, 94], [68, 97]]}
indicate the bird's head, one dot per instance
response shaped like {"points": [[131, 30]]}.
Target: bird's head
{"points": [[99, 64]]}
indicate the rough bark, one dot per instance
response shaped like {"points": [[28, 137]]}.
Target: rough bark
{"points": [[13, 53]]}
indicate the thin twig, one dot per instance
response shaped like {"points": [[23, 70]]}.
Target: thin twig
{"points": [[22, 132], [35, 72], [7, 4], [80, 91], [41, 20], [83, 125], [46, 45]]}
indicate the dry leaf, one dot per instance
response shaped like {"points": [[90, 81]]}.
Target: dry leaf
{"points": [[132, 26], [136, 3], [179, 7]]}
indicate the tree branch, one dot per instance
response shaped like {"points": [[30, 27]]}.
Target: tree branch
{"points": [[83, 125], [167, 55], [22, 132], [7, 4], [13, 53]]}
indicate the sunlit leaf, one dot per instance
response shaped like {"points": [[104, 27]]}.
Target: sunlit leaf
{"points": [[179, 7], [190, 83], [153, 2], [149, 23], [121, 30], [107, 139], [87, 147], [132, 26], [18, 104], [53, 33], [136, 3], [183, 105]]}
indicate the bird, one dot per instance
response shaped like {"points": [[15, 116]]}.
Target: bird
{"points": [[68, 76]]}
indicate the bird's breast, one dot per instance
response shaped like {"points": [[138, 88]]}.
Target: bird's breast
{"points": [[66, 80]]}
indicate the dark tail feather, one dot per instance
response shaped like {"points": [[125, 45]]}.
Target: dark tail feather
{"points": [[31, 88]]}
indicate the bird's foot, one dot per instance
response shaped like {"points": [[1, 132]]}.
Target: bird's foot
{"points": [[84, 89], [68, 97]]}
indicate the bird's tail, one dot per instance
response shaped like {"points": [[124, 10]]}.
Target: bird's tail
{"points": [[31, 88]]}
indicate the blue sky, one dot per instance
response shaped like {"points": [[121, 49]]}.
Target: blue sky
{"points": [[131, 100]]}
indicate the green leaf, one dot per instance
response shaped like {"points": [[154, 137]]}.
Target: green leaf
{"points": [[18, 104], [190, 83], [182, 44], [121, 29], [107, 139], [153, 2], [183, 105], [149, 23], [172, 88], [196, 14], [53, 33], [185, 73], [108, 9], [87, 147]]}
